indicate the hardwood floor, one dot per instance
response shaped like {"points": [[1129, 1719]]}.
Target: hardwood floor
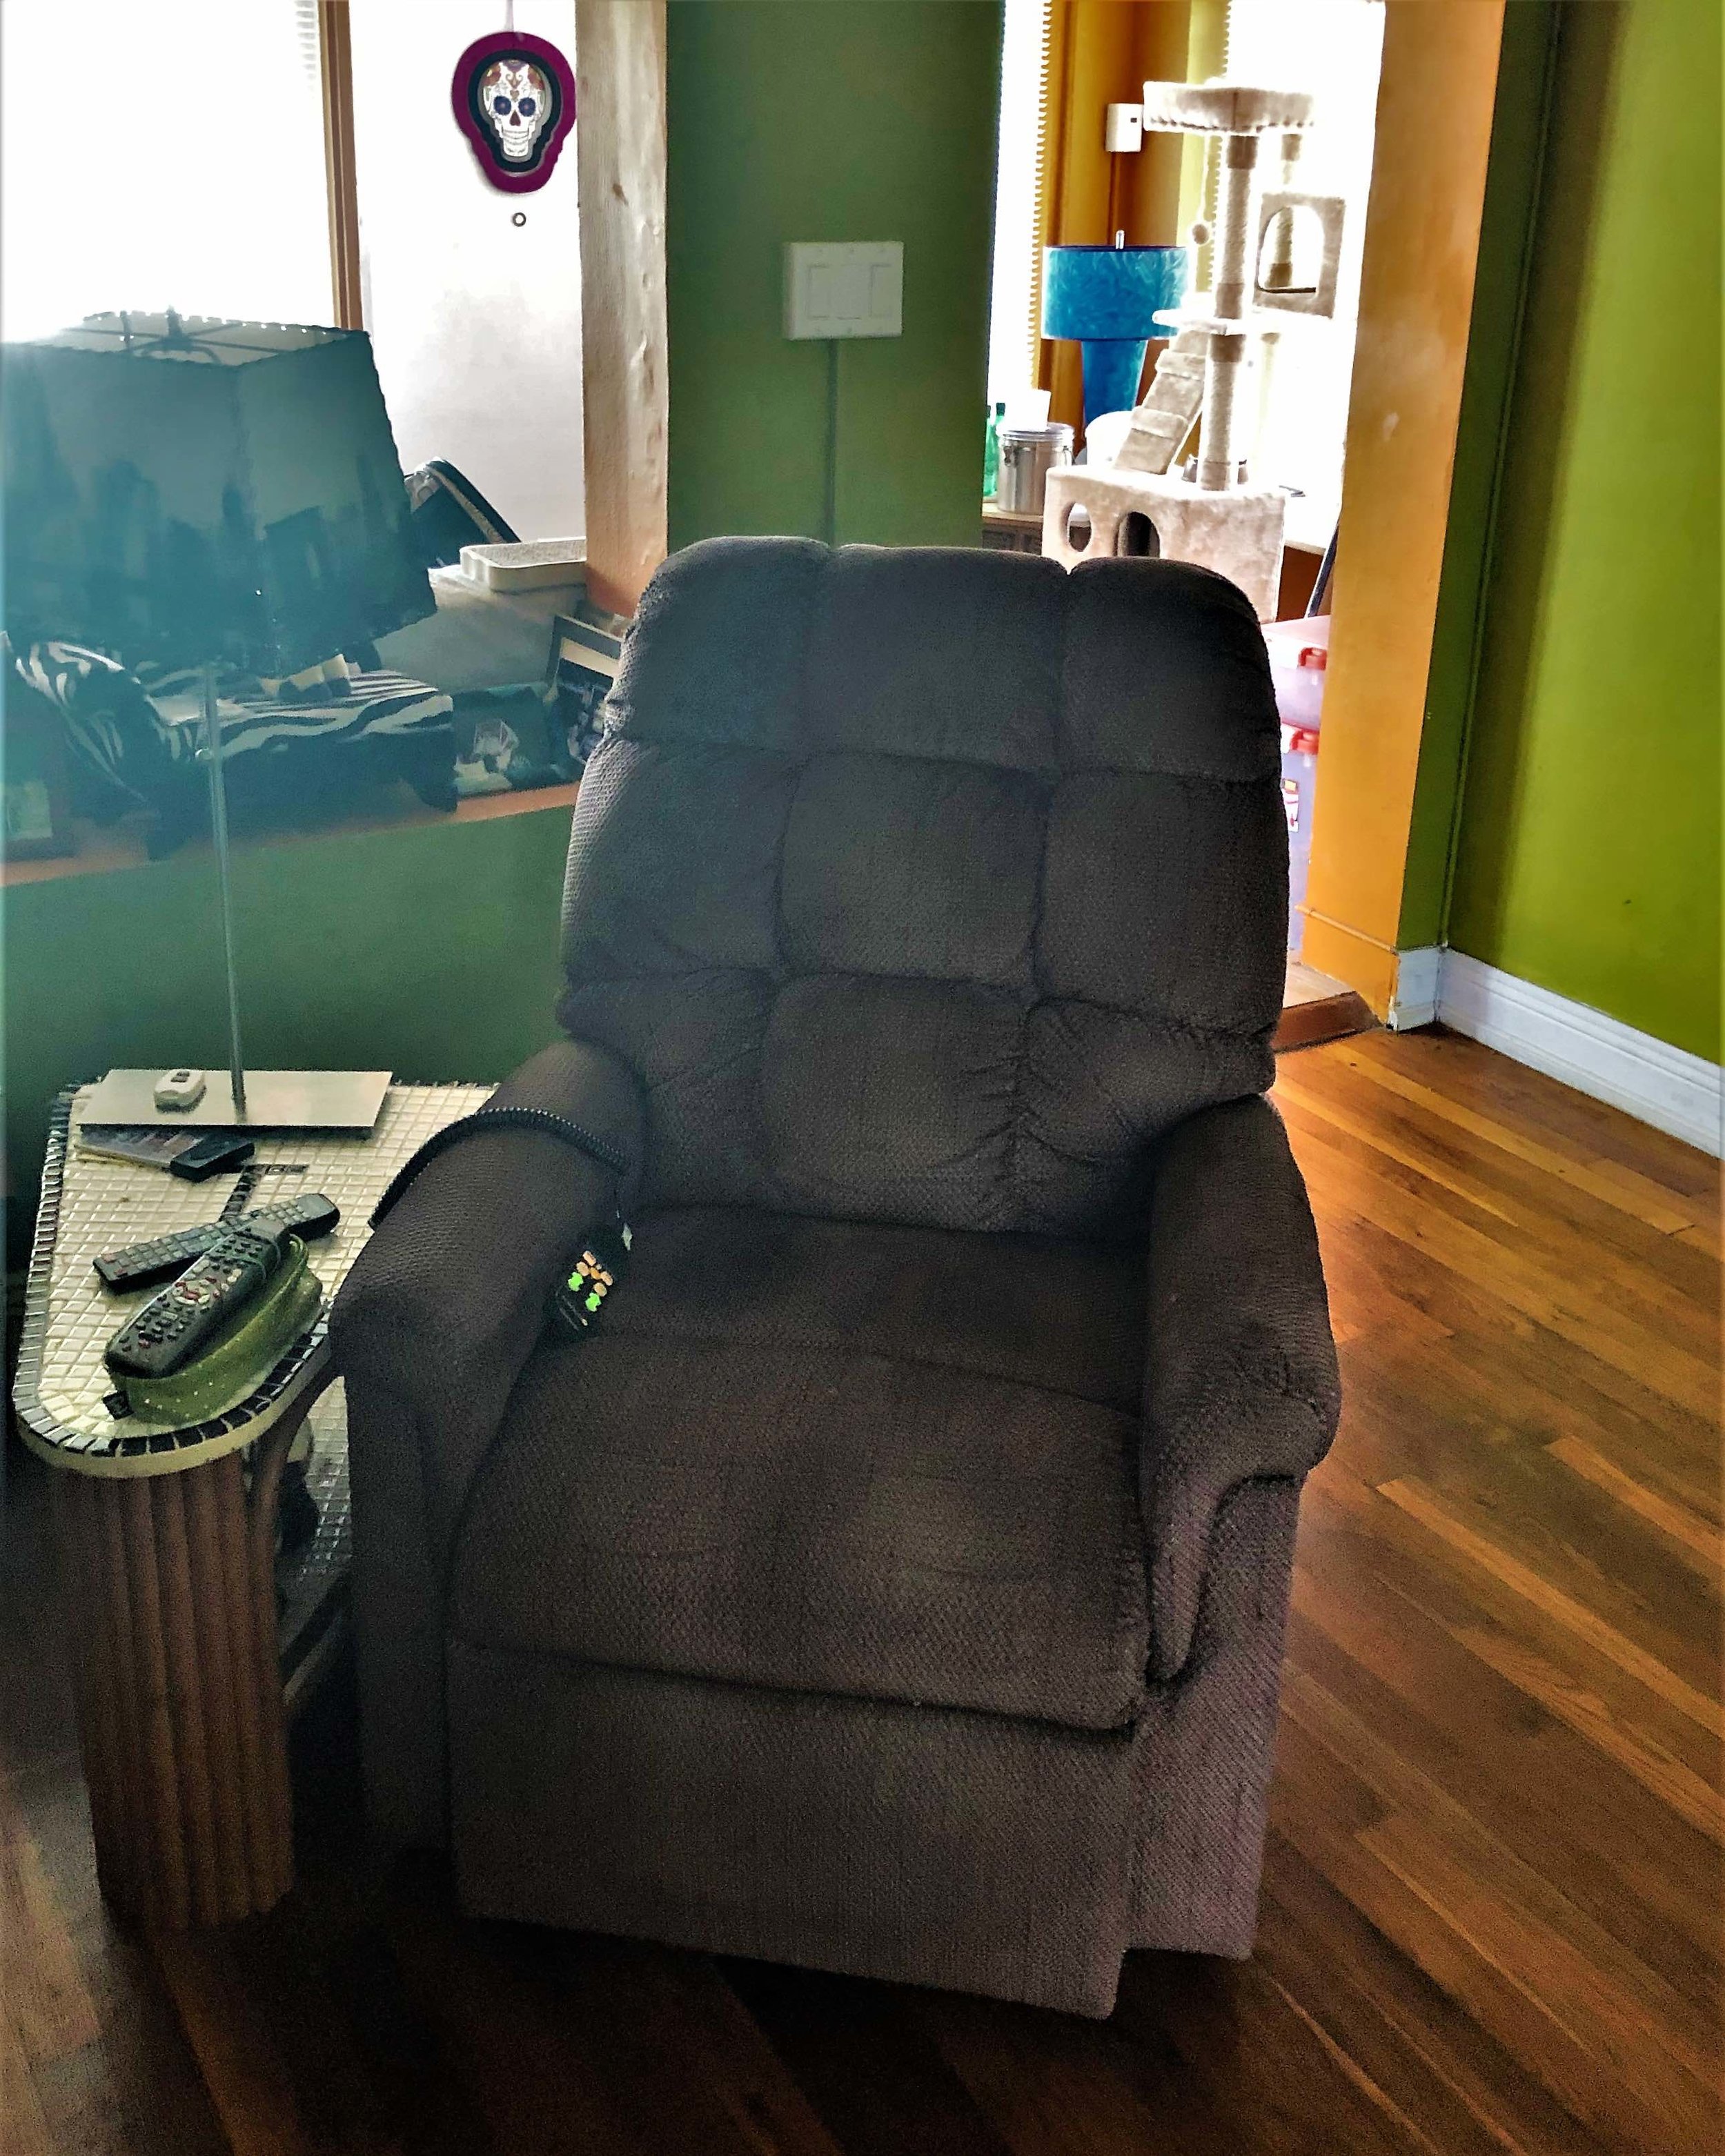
{"points": [[1491, 1902], [1316, 1007]]}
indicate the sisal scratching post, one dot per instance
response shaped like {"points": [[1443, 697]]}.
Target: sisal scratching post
{"points": [[1216, 517]]}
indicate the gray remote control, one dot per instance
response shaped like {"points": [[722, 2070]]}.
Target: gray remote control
{"points": [[173, 1326], [143, 1265]]}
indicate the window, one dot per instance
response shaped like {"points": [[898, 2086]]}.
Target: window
{"points": [[472, 297], [1334, 49], [180, 162], [1012, 329], [167, 154]]}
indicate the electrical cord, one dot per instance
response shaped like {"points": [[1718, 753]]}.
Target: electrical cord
{"points": [[484, 1120], [829, 490]]}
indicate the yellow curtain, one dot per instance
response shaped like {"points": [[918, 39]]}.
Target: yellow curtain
{"points": [[1099, 53]]}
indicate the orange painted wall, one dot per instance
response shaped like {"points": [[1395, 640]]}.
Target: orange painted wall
{"points": [[1434, 112]]}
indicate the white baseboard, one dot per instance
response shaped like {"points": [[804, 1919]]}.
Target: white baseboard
{"points": [[1416, 1001], [1601, 1056]]}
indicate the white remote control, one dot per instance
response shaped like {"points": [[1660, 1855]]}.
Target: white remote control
{"points": [[179, 1089]]}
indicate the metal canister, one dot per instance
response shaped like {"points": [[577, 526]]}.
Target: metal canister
{"points": [[1027, 456]]}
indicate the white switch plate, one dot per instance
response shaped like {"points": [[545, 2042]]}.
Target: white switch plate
{"points": [[1124, 128], [843, 288]]}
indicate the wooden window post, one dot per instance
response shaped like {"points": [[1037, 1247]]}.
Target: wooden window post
{"points": [[335, 58], [620, 147]]}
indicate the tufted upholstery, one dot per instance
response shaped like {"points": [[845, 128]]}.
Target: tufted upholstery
{"points": [[894, 1583], [928, 886], [888, 1463]]}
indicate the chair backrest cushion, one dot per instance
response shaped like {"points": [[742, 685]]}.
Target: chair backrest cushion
{"points": [[928, 884]]}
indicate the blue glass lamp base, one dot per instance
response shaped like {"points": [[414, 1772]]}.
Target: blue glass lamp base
{"points": [[1111, 368]]}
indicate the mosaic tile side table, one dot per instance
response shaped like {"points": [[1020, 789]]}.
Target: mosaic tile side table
{"points": [[167, 1536]]}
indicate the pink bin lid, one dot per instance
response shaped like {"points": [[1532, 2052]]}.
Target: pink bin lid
{"points": [[1288, 639]]}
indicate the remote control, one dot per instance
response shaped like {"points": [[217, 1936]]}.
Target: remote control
{"points": [[179, 1089], [146, 1265], [579, 1298], [173, 1326], [215, 1155]]}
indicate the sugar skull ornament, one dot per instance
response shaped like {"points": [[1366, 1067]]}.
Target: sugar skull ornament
{"points": [[514, 99]]}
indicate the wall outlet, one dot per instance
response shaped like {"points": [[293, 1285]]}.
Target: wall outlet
{"points": [[843, 288]]}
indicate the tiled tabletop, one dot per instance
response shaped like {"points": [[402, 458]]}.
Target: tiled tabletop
{"points": [[90, 1205]]}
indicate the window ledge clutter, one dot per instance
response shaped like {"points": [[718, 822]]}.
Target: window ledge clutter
{"points": [[133, 737]]}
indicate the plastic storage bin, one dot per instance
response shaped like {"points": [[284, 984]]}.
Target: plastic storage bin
{"points": [[1299, 786], [1299, 659]]}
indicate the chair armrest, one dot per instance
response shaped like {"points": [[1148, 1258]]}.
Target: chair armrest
{"points": [[447, 1301], [1240, 1380]]}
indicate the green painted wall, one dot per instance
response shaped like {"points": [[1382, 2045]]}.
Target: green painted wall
{"points": [[1587, 850], [1508, 222], [828, 120], [430, 949]]}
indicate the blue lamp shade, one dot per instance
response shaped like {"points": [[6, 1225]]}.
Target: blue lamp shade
{"points": [[185, 490], [1108, 299]]}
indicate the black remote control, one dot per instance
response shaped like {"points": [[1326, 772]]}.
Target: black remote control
{"points": [[173, 1326], [218, 1154], [144, 1265], [580, 1294]]}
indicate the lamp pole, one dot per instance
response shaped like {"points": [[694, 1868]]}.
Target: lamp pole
{"points": [[219, 827]]}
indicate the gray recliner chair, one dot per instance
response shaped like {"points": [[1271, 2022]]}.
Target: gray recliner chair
{"points": [[895, 1582]]}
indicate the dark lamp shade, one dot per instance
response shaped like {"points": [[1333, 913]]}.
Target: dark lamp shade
{"points": [[1097, 292], [187, 492]]}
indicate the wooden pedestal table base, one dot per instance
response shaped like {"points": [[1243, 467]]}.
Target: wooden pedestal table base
{"points": [[170, 1581], [167, 1536]]}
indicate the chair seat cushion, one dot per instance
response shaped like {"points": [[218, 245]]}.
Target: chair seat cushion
{"points": [[887, 1463], [1067, 1316]]}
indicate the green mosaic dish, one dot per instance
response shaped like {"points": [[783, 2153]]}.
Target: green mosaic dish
{"points": [[237, 1362]]}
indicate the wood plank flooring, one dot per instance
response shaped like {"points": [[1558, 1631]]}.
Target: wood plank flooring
{"points": [[1314, 1007], [1491, 1903]]}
